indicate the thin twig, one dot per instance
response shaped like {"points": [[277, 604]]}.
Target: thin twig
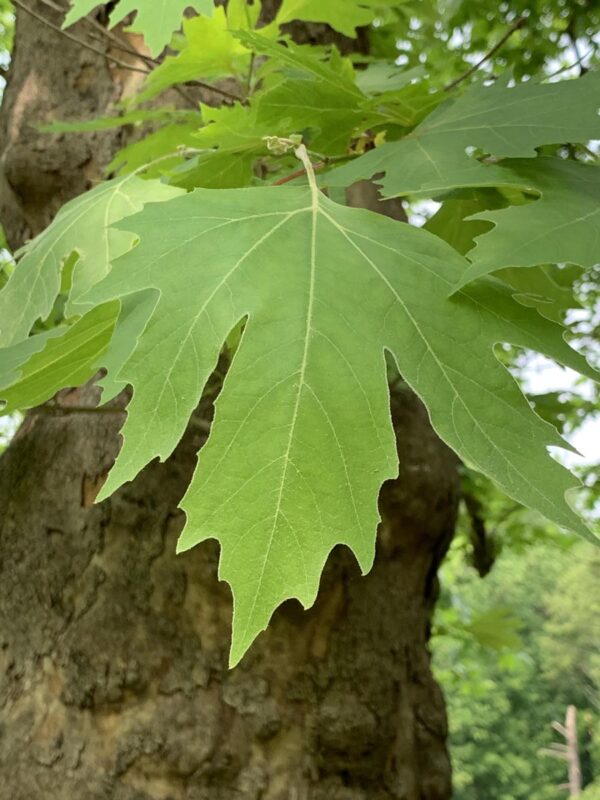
{"points": [[151, 62], [116, 40], [518, 23], [572, 65], [210, 87]]}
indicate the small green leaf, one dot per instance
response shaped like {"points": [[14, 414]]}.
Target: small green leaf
{"points": [[220, 169], [460, 220], [155, 19], [13, 357], [336, 73], [380, 77]]}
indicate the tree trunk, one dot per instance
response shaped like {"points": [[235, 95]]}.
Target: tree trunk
{"points": [[113, 651]]}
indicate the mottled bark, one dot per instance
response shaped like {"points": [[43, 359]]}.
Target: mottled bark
{"points": [[113, 651]]}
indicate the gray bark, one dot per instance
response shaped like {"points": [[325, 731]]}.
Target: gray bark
{"points": [[113, 651]]}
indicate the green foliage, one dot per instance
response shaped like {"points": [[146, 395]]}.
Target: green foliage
{"points": [[591, 792], [148, 275], [6, 28], [446, 36], [502, 702], [571, 639]]}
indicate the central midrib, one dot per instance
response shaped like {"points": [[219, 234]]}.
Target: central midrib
{"points": [[301, 383]]}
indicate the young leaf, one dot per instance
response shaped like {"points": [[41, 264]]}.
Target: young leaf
{"points": [[80, 226], [335, 74], [307, 386], [155, 19], [313, 94], [210, 50], [498, 121], [562, 226]]}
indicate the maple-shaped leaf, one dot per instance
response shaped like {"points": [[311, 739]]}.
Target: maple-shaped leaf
{"points": [[562, 226], [155, 19], [81, 226], [302, 438], [497, 121]]}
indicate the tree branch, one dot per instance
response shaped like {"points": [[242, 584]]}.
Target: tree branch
{"points": [[76, 39], [59, 410], [518, 23]]}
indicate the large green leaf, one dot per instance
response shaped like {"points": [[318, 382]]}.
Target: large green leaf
{"points": [[81, 226], [496, 120], [155, 19], [562, 226], [302, 439]]}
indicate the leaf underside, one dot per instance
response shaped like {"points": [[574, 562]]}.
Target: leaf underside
{"points": [[302, 438]]}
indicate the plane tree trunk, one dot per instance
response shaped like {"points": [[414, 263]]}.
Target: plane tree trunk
{"points": [[113, 651]]}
